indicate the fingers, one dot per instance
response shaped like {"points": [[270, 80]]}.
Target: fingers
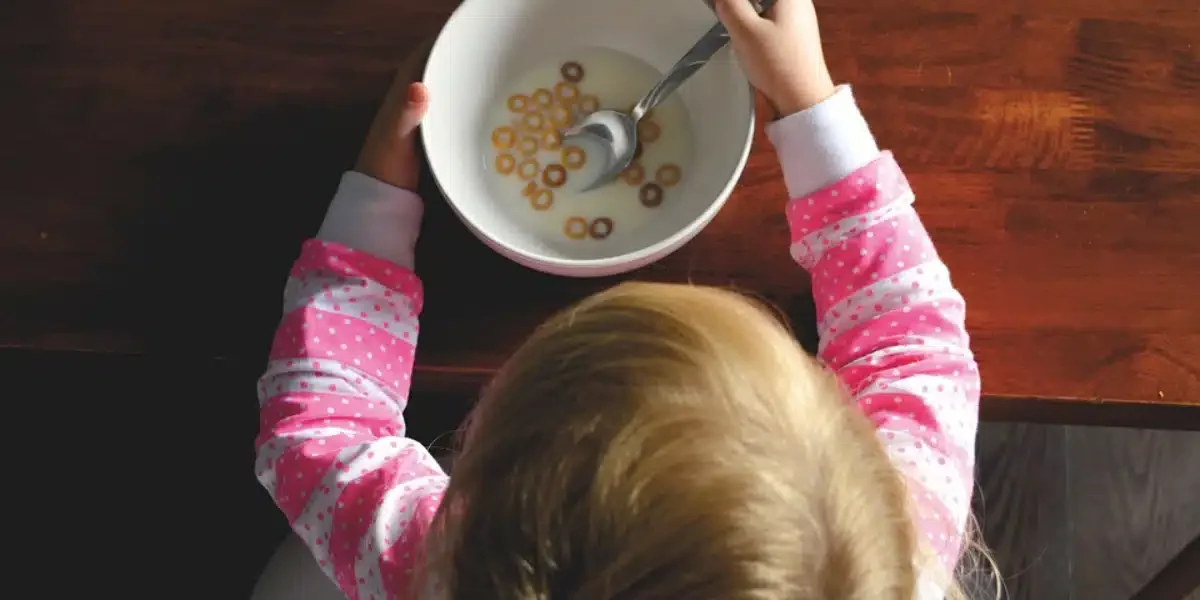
{"points": [[389, 152], [409, 71], [738, 16], [398, 115], [787, 10], [416, 103]]}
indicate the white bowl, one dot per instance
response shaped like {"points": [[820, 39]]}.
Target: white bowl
{"points": [[487, 43]]}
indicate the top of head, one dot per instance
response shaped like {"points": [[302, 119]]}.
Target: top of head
{"points": [[698, 453], [488, 43]]}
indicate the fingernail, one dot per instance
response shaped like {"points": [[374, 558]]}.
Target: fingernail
{"points": [[417, 93]]}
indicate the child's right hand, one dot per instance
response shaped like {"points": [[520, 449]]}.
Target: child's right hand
{"points": [[780, 51]]}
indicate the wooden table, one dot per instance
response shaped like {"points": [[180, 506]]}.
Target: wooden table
{"points": [[162, 160]]}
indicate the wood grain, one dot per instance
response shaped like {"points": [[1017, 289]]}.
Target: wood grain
{"points": [[163, 160], [1089, 512], [1134, 506], [1179, 578], [1021, 503]]}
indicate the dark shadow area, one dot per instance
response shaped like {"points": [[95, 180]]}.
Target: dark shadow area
{"points": [[136, 473], [235, 208]]}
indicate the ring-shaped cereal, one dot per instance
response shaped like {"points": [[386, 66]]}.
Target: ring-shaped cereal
{"points": [[504, 137], [588, 104], [528, 169], [600, 228], [554, 176], [519, 103], [566, 92], [669, 175], [638, 149], [575, 228], [533, 121], [634, 174], [560, 117], [528, 146], [543, 97], [572, 71], [649, 131], [551, 140], [542, 199], [505, 164], [574, 157], [651, 195]]}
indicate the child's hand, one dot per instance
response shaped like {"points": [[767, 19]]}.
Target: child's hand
{"points": [[389, 154], [780, 51]]}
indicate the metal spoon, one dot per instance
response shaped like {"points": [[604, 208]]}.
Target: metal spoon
{"points": [[616, 132]]}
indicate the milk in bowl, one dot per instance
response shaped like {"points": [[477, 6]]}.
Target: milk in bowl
{"points": [[539, 178], [506, 77]]}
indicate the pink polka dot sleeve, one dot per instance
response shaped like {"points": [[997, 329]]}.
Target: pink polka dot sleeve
{"points": [[332, 450], [893, 328]]}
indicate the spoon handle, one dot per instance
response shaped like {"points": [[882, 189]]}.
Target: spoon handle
{"points": [[698, 56]]}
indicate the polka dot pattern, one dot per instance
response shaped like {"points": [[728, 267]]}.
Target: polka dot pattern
{"points": [[318, 257], [352, 524], [370, 351], [874, 194], [331, 450], [893, 328], [910, 293], [831, 234], [411, 510], [934, 330], [845, 269], [303, 375], [343, 300]]}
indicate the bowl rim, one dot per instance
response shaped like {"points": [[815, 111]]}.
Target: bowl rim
{"points": [[612, 264]]}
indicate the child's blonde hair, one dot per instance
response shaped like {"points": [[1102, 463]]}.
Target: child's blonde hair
{"points": [[670, 441]]}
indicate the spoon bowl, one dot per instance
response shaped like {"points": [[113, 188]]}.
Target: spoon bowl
{"points": [[615, 132], [614, 135]]}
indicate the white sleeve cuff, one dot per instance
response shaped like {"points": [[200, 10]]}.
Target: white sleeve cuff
{"points": [[374, 217], [819, 146]]}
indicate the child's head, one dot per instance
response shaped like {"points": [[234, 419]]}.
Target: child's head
{"points": [[668, 441]]}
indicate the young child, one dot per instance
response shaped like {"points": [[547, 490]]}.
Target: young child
{"points": [[653, 441]]}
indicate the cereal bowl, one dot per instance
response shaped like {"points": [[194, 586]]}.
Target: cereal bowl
{"points": [[507, 76]]}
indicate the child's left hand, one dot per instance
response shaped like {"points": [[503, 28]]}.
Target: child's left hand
{"points": [[389, 153]]}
